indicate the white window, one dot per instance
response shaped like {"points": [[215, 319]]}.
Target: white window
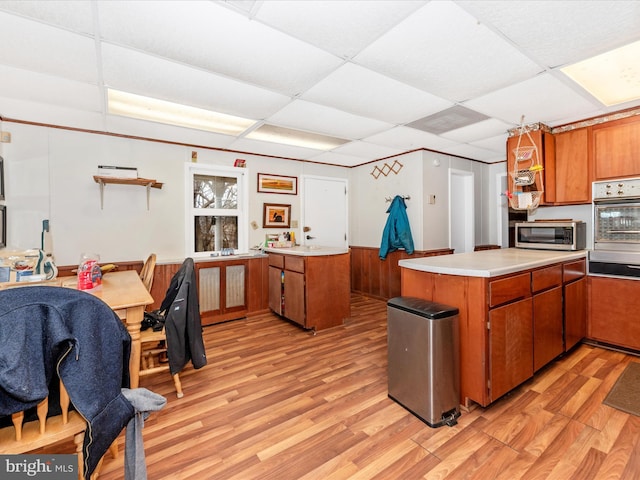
{"points": [[217, 206]]}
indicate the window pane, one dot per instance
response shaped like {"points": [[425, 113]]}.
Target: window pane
{"points": [[215, 192], [215, 233]]}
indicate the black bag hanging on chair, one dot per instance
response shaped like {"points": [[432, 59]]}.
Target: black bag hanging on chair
{"points": [[152, 320]]}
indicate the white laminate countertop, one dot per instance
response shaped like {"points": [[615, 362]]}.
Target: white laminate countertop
{"points": [[490, 263], [307, 251]]}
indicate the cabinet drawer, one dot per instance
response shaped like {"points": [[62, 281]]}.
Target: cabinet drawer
{"points": [[510, 288], [276, 261], [574, 270], [546, 278], [294, 263]]}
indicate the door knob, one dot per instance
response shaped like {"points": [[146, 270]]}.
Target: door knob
{"points": [[309, 237]]}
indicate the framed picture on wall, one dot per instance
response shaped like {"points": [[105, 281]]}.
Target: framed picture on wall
{"points": [[268, 183], [1, 178], [276, 215], [3, 226]]}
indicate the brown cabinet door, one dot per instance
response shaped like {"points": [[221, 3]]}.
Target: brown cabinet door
{"points": [[616, 148], [571, 182], [275, 289], [547, 327], [575, 312], [294, 304], [614, 304], [510, 346]]}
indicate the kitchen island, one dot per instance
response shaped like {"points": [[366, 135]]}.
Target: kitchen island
{"points": [[519, 310], [310, 285]]}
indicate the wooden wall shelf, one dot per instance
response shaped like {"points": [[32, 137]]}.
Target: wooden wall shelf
{"points": [[143, 182]]}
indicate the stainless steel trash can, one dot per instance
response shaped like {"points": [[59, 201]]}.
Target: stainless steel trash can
{"points": [[423, 359]]}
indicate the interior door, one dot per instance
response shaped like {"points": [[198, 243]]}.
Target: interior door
{"points": [[324, 211]]}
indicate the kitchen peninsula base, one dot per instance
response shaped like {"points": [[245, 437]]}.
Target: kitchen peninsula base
{"points": [[512, 312], [311, 290]]}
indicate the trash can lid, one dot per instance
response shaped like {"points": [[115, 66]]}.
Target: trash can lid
{"points": [[424, 308]]}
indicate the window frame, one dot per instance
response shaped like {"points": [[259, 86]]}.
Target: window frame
{"points": [[242, 212]]}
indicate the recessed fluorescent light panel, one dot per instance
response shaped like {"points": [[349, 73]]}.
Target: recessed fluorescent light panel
{"points": [[154, 110], [298, 138], [612, 77]]}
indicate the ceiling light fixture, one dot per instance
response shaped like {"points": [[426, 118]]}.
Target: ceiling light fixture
{"points": [[154, 110], [612, 77], [298, 138]]}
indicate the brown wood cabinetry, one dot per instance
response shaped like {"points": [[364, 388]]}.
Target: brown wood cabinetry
{"points": [[575, 302], [616, 148], [313, 291], [568, 174], [510, 326], [614, 304]]}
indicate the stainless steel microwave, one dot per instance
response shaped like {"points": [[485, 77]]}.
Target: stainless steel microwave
{"points": [[551, 235]]}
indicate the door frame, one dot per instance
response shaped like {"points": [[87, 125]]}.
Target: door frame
{"points": [[468, 203]]}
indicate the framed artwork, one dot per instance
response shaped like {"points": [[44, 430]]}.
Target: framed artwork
{"points": [[1, 178], [268, 183], [3, 226], [276, 215]]}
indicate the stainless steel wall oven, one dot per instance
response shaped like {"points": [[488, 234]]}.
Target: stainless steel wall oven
{"points": [[616, 228]]}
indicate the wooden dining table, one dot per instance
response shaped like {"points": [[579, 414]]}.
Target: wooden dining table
{"points": [[125, 293]]}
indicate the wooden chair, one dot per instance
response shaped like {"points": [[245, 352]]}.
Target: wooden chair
{"points": [[34, 435], [146, 274], [153, 344]]}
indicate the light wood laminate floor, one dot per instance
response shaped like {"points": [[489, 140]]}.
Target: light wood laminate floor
{"points": [[277, 402]]}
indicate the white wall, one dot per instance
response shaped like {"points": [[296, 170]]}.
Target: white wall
{"points": [[49, 176]]}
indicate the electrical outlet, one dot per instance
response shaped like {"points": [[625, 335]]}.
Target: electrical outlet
{"points": [[5, 137], [294, 223]]}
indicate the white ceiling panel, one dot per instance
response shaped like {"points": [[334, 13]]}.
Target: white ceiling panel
{"points": [[367, 150], [342, 28], [444, 50], [476, 131], [318, 118], [49, 90], [361, 91], [562, 32], [540, 99], [214, 38], [71, 14], [41, 48], [409, 139], [273, 149], [355, 69], [134, 72]]}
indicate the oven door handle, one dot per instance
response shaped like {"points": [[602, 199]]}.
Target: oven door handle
{"points": [[634, 267]]}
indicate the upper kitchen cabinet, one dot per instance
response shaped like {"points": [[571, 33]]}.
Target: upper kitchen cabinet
{"points": [[568, 173], [616, 148]]}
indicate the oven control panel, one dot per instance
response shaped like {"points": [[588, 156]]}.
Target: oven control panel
{"points": [[620, 188]]}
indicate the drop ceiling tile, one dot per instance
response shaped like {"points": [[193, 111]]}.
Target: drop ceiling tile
{"points": [[496, 144], [49, 90], [541, 99], [470, 151], [366, 150], [45, 49], [318, 118], [409, 139], [274, 149], [337, 159], [342, 28], [561, 32], [445, 51], [363, 92], [217, 39], [484, 129], [134, 72], [71, 14]]}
